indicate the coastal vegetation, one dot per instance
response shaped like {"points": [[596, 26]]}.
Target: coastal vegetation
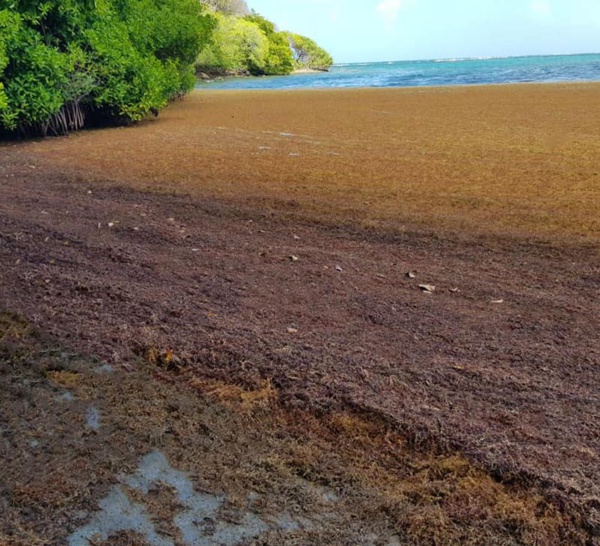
{"points": [[64, 64], [308, 55], [69, 64], [244, 42]]}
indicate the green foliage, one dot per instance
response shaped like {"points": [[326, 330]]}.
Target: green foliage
{"points": [[33, 74], [129, 83], [145, 52], [116, 59], [279, 59], [9, 25], [236, 44], [253, 44], [307, 54]]}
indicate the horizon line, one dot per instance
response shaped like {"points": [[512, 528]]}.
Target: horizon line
{"points": [[457, 59]]}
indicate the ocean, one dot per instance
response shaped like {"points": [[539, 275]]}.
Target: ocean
{"points": [[556, 68]]}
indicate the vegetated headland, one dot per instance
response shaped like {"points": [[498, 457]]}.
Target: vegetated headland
{"points": [[349, 316], [244, 43], [64, 67]]}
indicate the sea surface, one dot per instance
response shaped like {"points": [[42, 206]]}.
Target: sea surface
{"points": [[557, 68]]}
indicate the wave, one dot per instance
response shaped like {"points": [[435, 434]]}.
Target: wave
{"points": [[466, 59]]}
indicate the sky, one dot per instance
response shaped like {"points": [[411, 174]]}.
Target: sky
{"points": [[395, 30]]}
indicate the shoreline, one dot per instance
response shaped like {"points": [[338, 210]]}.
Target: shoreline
{"points": [[208, 75], [198, 86]]}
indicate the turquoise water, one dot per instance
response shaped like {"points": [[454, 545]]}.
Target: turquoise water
{"points": [[561, 68]]}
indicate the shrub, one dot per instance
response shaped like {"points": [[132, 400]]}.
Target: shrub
{"points": [[61, 60], [236, 44], [279, 60]]}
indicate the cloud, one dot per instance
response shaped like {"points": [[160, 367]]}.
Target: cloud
{"points": [[390, 9], [541, 8]]}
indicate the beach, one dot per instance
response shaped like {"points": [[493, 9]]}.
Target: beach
{"points": [[360, 316]]}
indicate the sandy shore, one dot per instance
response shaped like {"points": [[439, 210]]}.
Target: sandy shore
{"points": [[508, 159]]}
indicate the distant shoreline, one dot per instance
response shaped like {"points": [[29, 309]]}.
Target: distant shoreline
{"points": [[309, 71], [208, 75]]}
